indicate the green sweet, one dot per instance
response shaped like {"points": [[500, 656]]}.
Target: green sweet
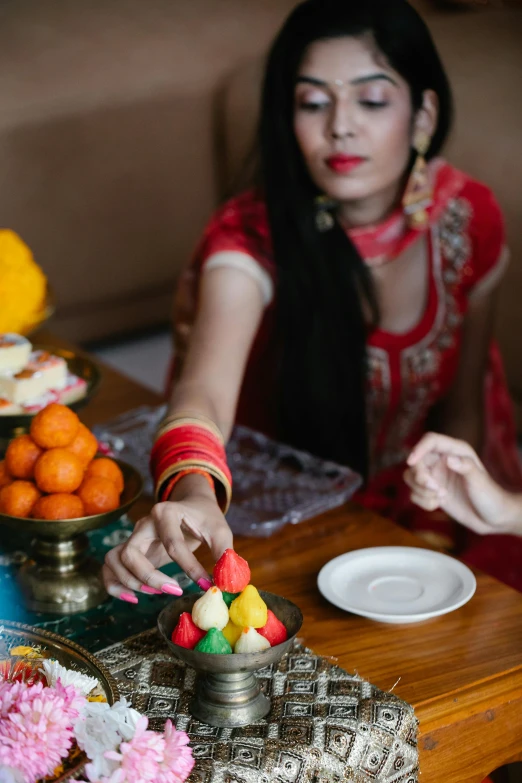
{"points": [[214, 642], [229, 597]]}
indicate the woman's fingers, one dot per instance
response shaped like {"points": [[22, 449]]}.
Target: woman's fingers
{"points": [[441, 445], [116, 588], [427, 502], [171, 534]]}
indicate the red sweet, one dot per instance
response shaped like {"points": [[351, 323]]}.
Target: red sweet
{"points": [[274, 630], [231, 572], [186, 634]]}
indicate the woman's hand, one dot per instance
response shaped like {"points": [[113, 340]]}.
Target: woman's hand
{"points": [[446, 473], [171, 532]]}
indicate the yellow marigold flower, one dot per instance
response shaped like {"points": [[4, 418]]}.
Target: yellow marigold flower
{"points": [[22, 284], [27, 652]]}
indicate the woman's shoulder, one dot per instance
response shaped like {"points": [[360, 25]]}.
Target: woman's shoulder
{"points": [[472, 197], [247, 208], [472, 227], [240, 225]]}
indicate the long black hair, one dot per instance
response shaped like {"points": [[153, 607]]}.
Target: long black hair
{"points": [[323, 283]]}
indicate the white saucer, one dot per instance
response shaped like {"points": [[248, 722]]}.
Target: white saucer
{"points": [[396, 584]]}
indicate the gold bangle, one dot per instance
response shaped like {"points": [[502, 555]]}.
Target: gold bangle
{"points": [[224, 501], [178, 420]]}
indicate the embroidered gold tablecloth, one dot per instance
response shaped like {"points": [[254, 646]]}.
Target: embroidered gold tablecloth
{"points": [[325, 725]]}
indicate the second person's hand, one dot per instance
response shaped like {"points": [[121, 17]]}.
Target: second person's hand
{"points": [[446, 473]]}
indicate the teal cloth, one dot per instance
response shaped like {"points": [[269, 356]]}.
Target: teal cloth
{"points": [[110, 622]]}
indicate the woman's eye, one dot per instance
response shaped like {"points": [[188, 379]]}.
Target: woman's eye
{"points": [[373, 104], [312, 107]]}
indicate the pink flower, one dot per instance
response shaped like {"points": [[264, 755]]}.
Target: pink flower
{"points": [[150, 757], [36, 727], [139, 759], [177, 758]]}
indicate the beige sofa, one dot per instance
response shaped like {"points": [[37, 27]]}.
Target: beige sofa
{"points": [[124, 120]]}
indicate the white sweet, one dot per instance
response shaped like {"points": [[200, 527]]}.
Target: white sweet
{"points": [[14, 352], [210, 611], [251, 641]]}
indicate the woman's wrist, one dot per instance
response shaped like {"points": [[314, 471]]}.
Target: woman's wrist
{"points": [[512, 516], [191, 485]]}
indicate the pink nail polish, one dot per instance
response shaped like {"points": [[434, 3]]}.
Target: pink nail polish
{"points": [[131, 599], [171, 589], [205, 584], [150, 590]]}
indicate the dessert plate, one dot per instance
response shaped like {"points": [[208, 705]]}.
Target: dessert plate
{"points": [[396, 584]]}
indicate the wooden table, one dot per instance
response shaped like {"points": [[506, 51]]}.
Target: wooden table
{"points": [[462, 672]]}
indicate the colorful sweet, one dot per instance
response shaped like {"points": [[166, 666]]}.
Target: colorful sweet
{"points": [[251, 641], [76, 483], [186, 633], [232, 632], [231, 572], [229, 597], [84, 445], [249, 609], [21, 457], [274, 630], [9, 408], [98, 495], [5, 476], [42, 373], [58, 470], [56, 426], [17, 499], [74, 389], [210, 611], [31, 380], [214, 642], [14, 352], [103, 467], [58, 506]]}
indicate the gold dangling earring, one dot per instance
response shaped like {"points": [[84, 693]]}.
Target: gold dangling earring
{"points": [[418, 193], [324, 220]]}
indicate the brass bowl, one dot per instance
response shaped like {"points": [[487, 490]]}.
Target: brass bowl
{"points": [[60, 577], [67, 528], [228, 694], [68, 654], [78, 364]]}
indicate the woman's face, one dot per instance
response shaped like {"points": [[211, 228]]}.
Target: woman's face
{"points": [[353, 120]]}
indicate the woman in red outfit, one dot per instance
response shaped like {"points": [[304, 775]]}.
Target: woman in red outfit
{"points": [[345, 304]]}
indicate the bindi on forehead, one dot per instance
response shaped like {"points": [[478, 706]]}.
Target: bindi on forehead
{"points": [[345, 61]]}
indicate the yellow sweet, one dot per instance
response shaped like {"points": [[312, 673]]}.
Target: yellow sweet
{"points": [[231, 633], [249, 609], [22, 284]]}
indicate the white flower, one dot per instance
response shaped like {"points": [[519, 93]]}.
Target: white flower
{"points": [[101, 728], [9, 774], [55, 671]]}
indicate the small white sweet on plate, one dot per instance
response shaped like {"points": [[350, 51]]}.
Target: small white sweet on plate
{"points": [[396, 584], [14, 352]]}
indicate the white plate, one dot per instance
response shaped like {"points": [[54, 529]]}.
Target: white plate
{"points": [[396, 584]]}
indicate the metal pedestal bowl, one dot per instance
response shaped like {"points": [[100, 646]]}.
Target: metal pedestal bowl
{"points": [[227, 691], [60, 577]]}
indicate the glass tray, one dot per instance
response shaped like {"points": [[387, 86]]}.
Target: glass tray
{"points": [[273, 484]]}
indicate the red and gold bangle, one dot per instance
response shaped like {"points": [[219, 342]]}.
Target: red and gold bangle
{"points": [[167, 490], [186, 444]]}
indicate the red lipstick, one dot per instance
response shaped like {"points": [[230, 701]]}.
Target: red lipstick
{"points": [[344, 164]]}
